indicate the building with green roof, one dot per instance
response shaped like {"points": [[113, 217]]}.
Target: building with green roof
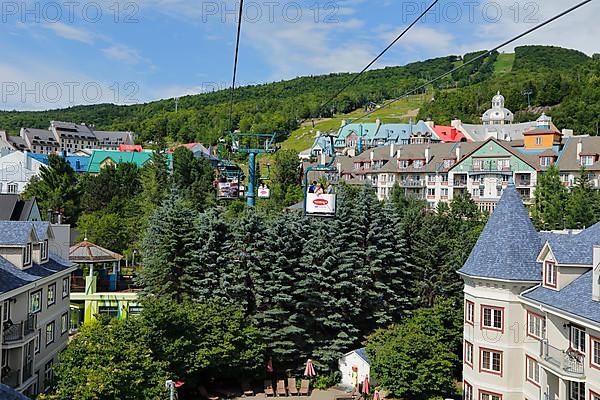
{"points": [[103, 158]]}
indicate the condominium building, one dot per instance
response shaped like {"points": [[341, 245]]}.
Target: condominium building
{"points": [[532, 310], [67, 137], [34, 302]]}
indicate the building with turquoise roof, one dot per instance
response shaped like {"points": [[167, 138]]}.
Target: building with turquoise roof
{"points": [[103, 158]]}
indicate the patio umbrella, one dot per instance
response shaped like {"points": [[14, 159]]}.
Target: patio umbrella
{"points": [[365, 388], [270, 365], [376, 395], [310, 369]]}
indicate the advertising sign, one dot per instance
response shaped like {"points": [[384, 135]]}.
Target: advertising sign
{"points": [[264, 192], [320, 204], [229, 189]]}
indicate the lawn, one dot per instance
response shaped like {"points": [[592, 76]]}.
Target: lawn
{"points": [[504, 63]]}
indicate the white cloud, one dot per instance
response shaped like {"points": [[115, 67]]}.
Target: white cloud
{"points": [[124, 54], [70, 32]]}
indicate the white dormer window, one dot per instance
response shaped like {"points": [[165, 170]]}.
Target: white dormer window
{"points": [[448, 163], [550, 274], [587, 160], [418, 164], [403, 163], [27, 255], [545, 161]]}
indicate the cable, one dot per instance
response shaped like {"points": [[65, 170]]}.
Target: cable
{"points": [[519, 36], [380, 55], [237, 48]]}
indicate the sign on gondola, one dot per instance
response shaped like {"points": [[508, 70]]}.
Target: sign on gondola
{"points": [[264, 192], [228, 189], [322, 205]]}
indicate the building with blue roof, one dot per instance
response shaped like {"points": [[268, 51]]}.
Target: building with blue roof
{"points": [[531, 310], [354, 366], [34, 304]]}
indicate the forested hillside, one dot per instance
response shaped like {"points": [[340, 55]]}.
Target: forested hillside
{"points": [[558, 77]]}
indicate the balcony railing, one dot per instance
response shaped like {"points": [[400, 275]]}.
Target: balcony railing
{"points": [[412, 183], [12, 378], [489, 168], [460, 183], [18, 331], [569, 362]]}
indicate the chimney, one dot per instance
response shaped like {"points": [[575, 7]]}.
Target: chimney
{"points": [[344, 122], [427, 151], [339, 167], [50, 215], [455, 123], [429, 123], [596, 274], [579, 149], [457, 152], [398, 153], [378, 121], [392, 150], [372, 156], [567, 132]]}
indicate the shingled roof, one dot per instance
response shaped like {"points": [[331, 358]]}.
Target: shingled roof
{"points": [[15, 233], [575, 298], [509, 244], [573, 249]]}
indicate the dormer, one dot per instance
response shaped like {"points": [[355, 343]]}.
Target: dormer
{"points": [[41, 251], [558, 273], [549, 268], [17, 239]]}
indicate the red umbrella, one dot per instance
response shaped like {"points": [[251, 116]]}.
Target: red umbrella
{"points": [[310, 369], [365, 388], [270, 365], [376, 395]]}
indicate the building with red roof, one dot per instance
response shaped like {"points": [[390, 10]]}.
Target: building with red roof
{"points": [[448, 134], [133, 148]]}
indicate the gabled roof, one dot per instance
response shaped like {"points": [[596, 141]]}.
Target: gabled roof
{"points": [[575, 298], [16, 233], [8, 202], [527, 159], [12, 277], [508, 247], [41, 229], [137, 158], [573, 249]]}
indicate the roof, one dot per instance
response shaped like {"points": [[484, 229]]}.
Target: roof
{"points": [[12, 277], [508, 247], [8, 202], [118, 157], [362, 353], [569, 160], [78, 163], [448, 133], [130, 147], [43, 158], [575, 298], [8, 393], [541, 131], [89, 253], [15, 233], [574, 249]]}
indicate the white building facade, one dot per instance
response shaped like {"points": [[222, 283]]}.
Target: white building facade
{"points": [[16, 170], [532, 310]]}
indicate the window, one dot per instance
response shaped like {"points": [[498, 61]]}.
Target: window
{"points": [[444, 192], [4, 358], [64, 323], [587, 160], [448, 163], [595, 352], [490, 361], [11, 188], [577, 390], [577, 339], [35, 302], [550, 274], [111, 311], [431, 192], [533, 371], [444, 178], [536, 325], [503, 165], [5, 310], [469, 353], [51, 294], [44, 249], [564, 177], [468, 391], [431, 178], [418, 164], [492, 318], [545, 161], [477, 165], [48, 374], [403, 163], [38, 342], [133, 310], [483, 395], [65, 287], [27, 254], [469, 312], [538, 140], [49, 333]]}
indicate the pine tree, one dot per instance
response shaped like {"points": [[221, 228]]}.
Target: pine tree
{"points": [[550, 200], [582, 203], [167, 251]]}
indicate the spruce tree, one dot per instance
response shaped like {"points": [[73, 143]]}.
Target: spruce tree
{"points": [[582, 208], [550, 200], [167, 251]]}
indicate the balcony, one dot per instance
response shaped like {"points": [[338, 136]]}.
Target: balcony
{"points": [[19, 331], [412, 183], [459, 183], [569, 364], [475, 169]]}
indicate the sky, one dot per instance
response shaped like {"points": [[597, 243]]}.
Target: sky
{"points": [[67, 52]]}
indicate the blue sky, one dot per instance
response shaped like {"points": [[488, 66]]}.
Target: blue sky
{"points": [[60, 53]]}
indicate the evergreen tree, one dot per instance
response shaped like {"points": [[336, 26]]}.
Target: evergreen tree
{"points": [[550, 200], [193, 177], [167, 251], [582, 206]]}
